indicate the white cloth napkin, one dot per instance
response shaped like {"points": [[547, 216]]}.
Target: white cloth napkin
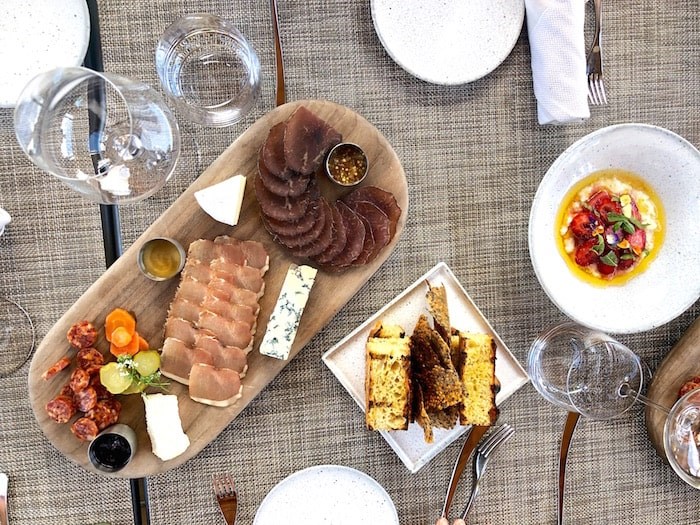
{"points": [[557, 47], [4, 220]]}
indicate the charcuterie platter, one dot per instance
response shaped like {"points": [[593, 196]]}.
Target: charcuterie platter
{"points": [[124, 286]]}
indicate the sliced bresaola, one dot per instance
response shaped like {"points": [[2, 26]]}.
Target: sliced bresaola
{"points": [[382, 199], [272, 152], [281, 208], [378, 224], [299, 227], [355, 237], [307, 139], [306, 238], [339, 238], [323, 240], [290, 187]]}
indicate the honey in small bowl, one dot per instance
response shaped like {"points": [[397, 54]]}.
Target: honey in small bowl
{"points": [[346, 164], [161, 258]]}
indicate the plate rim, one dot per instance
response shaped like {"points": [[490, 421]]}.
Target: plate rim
{"points": [[538, 201]]}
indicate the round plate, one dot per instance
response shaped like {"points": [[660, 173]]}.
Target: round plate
{"points": [[327, 494], [448, 42], [38, 35], [671, 283]]}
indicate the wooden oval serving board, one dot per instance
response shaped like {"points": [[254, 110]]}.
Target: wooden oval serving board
{"points": [[681, 363], [122, 285]]}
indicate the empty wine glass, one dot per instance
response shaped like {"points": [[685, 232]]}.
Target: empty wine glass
{"points": [[582, 370], [111, 138], [17, 336]]}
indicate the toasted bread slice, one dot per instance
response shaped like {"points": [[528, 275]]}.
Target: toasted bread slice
{"points": [[387, 379], [475, 359]]}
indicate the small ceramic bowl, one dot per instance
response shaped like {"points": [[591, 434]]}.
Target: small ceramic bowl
{"points": [[346, 164]]}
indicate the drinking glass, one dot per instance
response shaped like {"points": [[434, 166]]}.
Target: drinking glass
{"points": [[582, 370], [108, 137], [17, 336], [682, 438]]}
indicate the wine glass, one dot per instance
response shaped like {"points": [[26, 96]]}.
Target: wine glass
{"points": [[582, 370], [111, 138], [17, 336]]}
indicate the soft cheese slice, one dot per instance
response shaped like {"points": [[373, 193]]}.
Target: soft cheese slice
{"points": [[284, 321], [223, 200], [164, 426]]}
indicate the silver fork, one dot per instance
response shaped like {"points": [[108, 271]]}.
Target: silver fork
{"points": [[225, 491], [483, 453], [594, 64]]}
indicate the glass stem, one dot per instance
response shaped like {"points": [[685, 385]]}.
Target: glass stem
{"points": [[626, 390]]}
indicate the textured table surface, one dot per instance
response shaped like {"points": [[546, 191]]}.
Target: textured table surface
{"points": [[474, 156]]}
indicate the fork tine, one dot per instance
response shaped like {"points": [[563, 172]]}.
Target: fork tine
{"points": [[495, 438], [502, 438]]}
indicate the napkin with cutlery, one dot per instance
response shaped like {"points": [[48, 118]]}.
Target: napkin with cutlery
{"points": [[558, 56]]}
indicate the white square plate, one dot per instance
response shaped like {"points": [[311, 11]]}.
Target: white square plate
{"points": [[347, 359]]}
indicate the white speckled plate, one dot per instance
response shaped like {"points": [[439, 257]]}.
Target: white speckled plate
{"points": [[448, 41], [671, 283], [329, 494], [38, 35], [347, 359]]}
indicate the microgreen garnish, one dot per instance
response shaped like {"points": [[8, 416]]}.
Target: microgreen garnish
{"points": [[627, 257], [128, 366], [623, 221], [609, 258], [599, 246]]}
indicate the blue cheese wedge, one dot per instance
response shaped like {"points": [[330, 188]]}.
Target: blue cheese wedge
{"points": [[223, 200], [284, 321], [164, 426]]}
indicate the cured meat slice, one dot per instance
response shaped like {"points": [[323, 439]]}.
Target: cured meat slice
{"points": [[54, 369], [214, 386], [177, 358], [296, 241], [184, 309], [378, 223], [254, 252], [245, 277], [323, 240], [339, 238], [281, 208], [84, 429], [180, 329], [105, 413], [223, 356], [290, 187], [236, 312], [90, 360], [288, 229], [61, 408], [85, 399], [355, 237], [272, 152], [229, 292], [229, 333], [307, 139], [382, 199]]}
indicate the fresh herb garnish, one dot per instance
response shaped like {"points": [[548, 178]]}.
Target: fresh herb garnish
{"points": [[609, 258], [128, 366], [627, 257], [624, 222], [599, 246]]}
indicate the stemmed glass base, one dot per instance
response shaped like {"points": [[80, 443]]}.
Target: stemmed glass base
{"points": [[17, 336]]}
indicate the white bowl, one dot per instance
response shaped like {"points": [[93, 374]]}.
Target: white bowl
{"points": [[671, 283]]}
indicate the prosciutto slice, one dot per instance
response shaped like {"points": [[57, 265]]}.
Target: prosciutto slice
{"points": [[214, 386]]}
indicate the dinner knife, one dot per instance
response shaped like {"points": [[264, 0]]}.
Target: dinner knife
{"points": [[473, 438], [569, 427]]}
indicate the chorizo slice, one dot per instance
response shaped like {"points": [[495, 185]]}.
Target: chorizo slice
{"points": [[54, 369], [90, 359], [79, 379], [82, 334], [84, 428], [61, 408], [105, 413], [85, 399]]}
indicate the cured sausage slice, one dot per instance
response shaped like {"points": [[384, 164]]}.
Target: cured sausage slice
{"points": [[307, 139], [355, 237], [85, 429], [90, 359], [282, 208], [382, 199], [82, 334], [339, 238], [290, 187], [105, 413], [54, 369], [61, 408], [85, 399], [323, 240], [272, 152], [378, 223], [79, 379]]}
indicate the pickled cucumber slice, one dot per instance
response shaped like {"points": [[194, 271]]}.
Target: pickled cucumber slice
{"points": [[135, 388], [147, 362], [114, 378]]}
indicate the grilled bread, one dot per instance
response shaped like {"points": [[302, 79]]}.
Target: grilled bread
{"points": [[475, 361], [388, 378]]}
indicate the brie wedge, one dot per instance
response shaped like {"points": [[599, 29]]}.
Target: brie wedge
{"points": [[223, 200], [164, 426]]}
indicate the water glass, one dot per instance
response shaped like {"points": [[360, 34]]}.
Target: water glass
{"points": [[682, 438], [208, 69]]}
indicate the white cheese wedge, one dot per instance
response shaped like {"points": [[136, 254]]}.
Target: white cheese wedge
{"points": [[164, 426], [284, 321], [223, 200]]}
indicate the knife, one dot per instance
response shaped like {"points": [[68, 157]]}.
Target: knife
{"points": [[569, 427], [473, 438]]}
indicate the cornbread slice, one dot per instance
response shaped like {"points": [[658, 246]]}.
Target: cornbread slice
{"points": [[437, 305], [388, 378], [476, 365]]}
